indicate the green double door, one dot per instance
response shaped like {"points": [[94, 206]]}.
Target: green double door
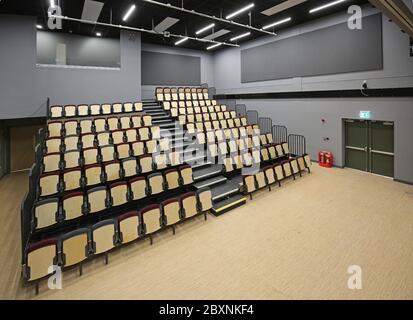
{"points": [[369, 146]]}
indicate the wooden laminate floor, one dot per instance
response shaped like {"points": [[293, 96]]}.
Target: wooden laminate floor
{"points": [[295, 242]]}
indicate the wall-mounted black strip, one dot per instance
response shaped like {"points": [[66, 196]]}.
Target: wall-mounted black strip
{"points": [[369, 93]]}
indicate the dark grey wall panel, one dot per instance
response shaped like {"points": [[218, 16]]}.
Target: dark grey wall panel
{"points": [[331, 50], [170, 69]]}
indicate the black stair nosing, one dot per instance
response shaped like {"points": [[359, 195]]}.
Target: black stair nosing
{"points": [[236, 200], [210, 182], [232, 190], [208, 175]]}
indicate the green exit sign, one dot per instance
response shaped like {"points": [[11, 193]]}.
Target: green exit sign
{"points": [[365, 114]]}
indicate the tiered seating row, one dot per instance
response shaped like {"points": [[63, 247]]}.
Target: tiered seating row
{"points": [[75, 247], [175, 94], [52, 211], [206, 104], [84, 110]]}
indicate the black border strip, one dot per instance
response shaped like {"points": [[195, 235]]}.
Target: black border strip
{"points": [[354, 93]]}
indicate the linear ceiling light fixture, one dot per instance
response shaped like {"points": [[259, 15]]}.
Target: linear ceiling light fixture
{"points": [[181, 41], [52, 4], [241, 36], [118, 26], [182, 9], [39, 26], [214, 46], [130, 11], [326, 6], [238, 12], [210, 26], [276, 23]]}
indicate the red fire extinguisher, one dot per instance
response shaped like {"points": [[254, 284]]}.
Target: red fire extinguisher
{"points": [[325, 159], [321, 157]]}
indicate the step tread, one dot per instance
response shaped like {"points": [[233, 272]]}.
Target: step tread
{"points": [[226, 204], [210, 182], [225, 190], [200, 174]]}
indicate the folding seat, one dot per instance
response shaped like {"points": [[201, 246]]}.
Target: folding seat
{"points": [[197, 110], [294, 167], [212, 150], [70, 128], [167, 94], [85, 126], [242, 145], [210, 135], [144, 133], [256, 156], [94, 175], [307, 161], [204, 197], [171, 179], [147, 121], [164, 144], [202, 103], [123, 150], [138, 188], [222, 148], [263, 139], [260, 180], [280, 151], [100, 125], [113, 123], [56, 112], [190, 118], [237, 160], [264, 154], [256, 142], [230, 123], [174, 112], [200, 138], [130, 167], [227, 134], [211, 109], [118, 137], [106, 109], [45, 213], [220, 115], [151, 146], [118, 193], [200, 94], [199, 117], [54, 129], [104, 237], [95, 110], [117, 108], [199, 126], [243, 132], [285, 148], [208, 125], [73, 206], [156, 132], [136, 121], [90, 156], [39, 257], [180, 104], [279, 173], [49, 183], [125, 123], [107, 153], [181, 93], [216, 125], [167, 105], [220, 135], [195, 103], [214, 102], [138, 148], [128, 227], [128, 107], [218, 109], [53, 145], [97, 199], [189, 110], [174, 158], [138, 106], [287, 169], [159, 94], [70, 111], [206, 117], [103, 138], [232, 146], [235, 133], [156, 184], [145, 163], [270, 175], [194, 95], [228, 165], [272, 152], [227, 115], [190, 127], [188, 95], [72, 159], [224, 108], [249, 185], [204, 110], [151, 219], [213, 116], [208, 102], [51, 162], [186, 174], [72, 179], [174, 94], [243, 121], [171, 212], [70, 143], [74, 248], [131, 135], [270, 139], [112, 171], [182, 119], [247, 159], [188, 205], [249, 142]]}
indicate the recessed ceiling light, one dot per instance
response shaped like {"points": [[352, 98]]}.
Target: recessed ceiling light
{"points": [[276, 23], [214, 46], [326, 6], [39, 26], [98, 34], [241, 36], [206, 28], [181, 41], [127, 15], [234, 14]]}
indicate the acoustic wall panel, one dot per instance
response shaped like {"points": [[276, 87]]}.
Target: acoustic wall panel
{"points": [[170, 69], [331, 50]]}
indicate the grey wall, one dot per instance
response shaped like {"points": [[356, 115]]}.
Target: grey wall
{"points": [[303, 116], [25, 86], [80, 50], [207, 65], [170, 69]]}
